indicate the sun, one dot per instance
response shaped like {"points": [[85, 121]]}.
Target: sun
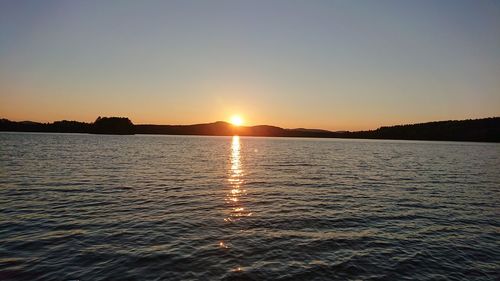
{"points": [[236, 120]]}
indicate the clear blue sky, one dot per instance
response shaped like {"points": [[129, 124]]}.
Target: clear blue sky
{"points": [[323, 64]]}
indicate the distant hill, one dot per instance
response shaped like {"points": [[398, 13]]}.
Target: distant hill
{"points": [[221, 128], [482, 130]]}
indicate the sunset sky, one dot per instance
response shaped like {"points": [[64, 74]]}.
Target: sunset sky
{"points": [[319, 64]]}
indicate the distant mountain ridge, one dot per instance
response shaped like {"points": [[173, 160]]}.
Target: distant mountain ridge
{"points": [[482, 130]]}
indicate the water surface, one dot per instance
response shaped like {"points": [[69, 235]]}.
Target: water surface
{"points": [[97, 207]]}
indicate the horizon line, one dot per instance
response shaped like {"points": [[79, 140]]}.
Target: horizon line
{"points": [[248, 126]]}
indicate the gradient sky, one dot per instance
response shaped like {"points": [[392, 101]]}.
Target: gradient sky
{"points": [[317, 64]]}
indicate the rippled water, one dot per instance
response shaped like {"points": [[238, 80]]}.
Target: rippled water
{"points": [[95, 207]]}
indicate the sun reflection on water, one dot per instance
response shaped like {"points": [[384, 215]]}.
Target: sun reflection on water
{"points": [[235, 196], [235, 179]]}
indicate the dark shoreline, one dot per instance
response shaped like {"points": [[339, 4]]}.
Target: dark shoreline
{"points": [[476, 130]]}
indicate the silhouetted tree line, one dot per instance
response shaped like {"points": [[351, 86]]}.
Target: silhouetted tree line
{"points": [[102, 125], [113, 125], [485, 130]]}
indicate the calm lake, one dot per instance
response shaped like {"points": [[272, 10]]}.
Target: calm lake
{"points": [[98, 207]]}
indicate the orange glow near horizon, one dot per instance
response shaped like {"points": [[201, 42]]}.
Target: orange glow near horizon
{"points": [[236, 120]]}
